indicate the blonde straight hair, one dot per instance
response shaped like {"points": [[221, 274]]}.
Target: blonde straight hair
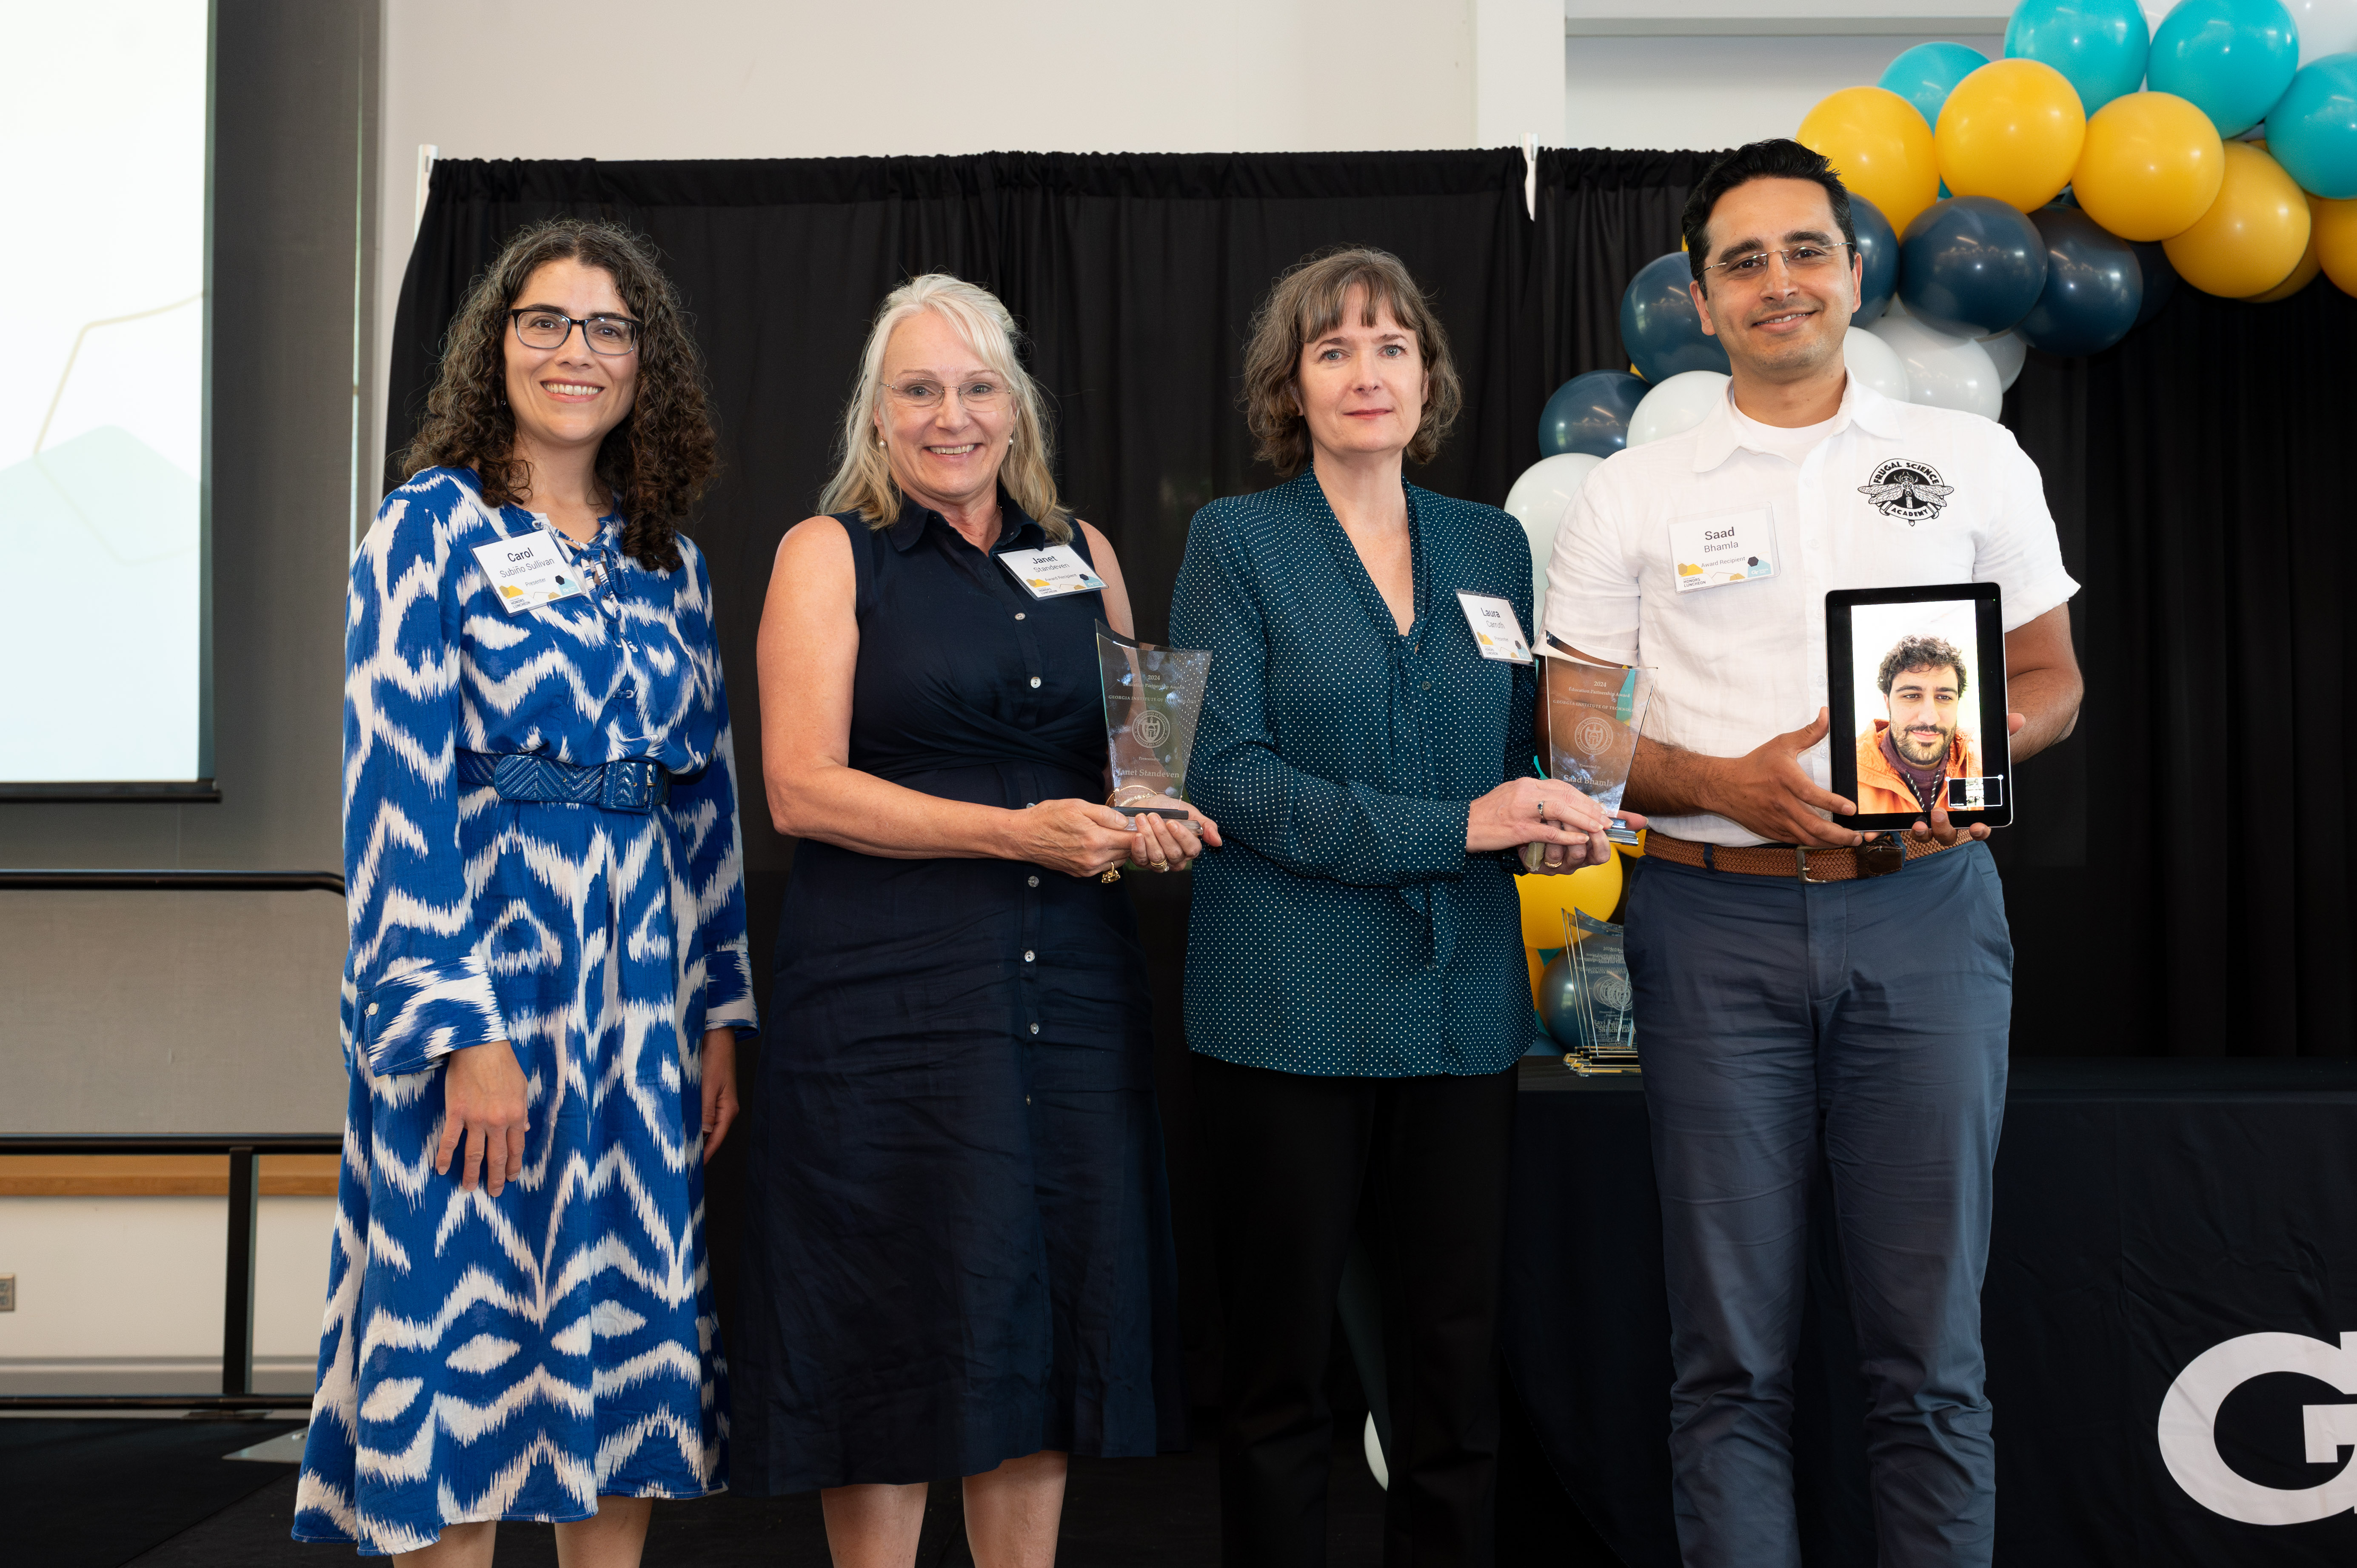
{"points": [[863, 478]]}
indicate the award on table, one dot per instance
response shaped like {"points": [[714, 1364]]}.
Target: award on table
{"points": [[1594, 714], [1152, 698], [1601, 997]]}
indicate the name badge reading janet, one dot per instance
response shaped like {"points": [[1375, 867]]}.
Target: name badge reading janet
{"points": [[529, 571], [1052, 573], [1496, 632], [1711, 551]]}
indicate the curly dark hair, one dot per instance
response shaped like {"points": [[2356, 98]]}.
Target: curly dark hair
{"points": [[1305, 304], [1921, 653], [657, 461]]}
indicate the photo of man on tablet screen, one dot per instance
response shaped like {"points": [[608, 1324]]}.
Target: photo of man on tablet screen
{"points": [[1928, 733]]}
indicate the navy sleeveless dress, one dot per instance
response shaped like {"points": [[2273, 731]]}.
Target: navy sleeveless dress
{"points": [[958, 1248]]}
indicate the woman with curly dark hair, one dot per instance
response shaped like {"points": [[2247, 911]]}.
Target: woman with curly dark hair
{"points": [[547, 971]]}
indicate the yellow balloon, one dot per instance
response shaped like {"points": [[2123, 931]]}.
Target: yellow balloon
{"points": [[1878, 143], [2309, 264], [1544, 898], [2151, 166], [2334, 229], [2254, 234], [2013, 130]]}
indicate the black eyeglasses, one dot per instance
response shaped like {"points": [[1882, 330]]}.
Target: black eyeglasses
{"points": [[608, 335]]}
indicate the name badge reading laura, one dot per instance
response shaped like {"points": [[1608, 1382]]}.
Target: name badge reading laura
{"points": [[1496, 633], [1733, 547], [529, 571], [1052, 573]]}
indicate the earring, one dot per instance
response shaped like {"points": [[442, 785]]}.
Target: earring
{"points": [[879, 443]]}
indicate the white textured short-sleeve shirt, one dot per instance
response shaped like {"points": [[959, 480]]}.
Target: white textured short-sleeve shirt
{"points": [[1896, 495]]}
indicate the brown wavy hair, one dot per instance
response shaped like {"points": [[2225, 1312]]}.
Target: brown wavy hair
{"points": [[657, 461], [1305, 304]]}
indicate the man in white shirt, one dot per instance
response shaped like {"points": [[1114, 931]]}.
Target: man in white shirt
{"points": [[1795, 979]]}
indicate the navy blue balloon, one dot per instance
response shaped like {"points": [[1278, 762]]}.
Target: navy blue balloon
{"points": [[1590, 413], [2093, 286], [1559, 1003], [2159, 278], [1971, 265], [1878, 246], [1659, 327]]}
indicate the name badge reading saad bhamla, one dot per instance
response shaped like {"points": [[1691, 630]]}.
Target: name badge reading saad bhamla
{"points": [[1711, 551], [1052, 573], [529, 571], [1496, 632]]}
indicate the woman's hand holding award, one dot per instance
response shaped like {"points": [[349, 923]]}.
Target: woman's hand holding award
{"points": [[1153, 699]]}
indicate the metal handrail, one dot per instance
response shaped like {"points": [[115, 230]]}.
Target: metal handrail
{"points": [[172, 881], [242, 1149]]}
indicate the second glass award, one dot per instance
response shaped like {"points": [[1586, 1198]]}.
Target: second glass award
{"points": [[1153, 700], [1595, 712]]}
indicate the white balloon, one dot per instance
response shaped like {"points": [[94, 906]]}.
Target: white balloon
{"points": [[2326, 27], [1942, 371], [1538, 501], [1870, 360], [2005, 351], [1678, 404]]}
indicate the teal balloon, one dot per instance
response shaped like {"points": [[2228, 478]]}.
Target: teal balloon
{"points": [[2230, 58], [2099, 45], [2312, 129], [1926, 74]]}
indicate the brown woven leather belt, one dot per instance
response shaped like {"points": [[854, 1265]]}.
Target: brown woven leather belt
{"points": [[1879, 857]]}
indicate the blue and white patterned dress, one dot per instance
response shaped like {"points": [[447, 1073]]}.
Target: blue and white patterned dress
{"points": [[517, 1356]]}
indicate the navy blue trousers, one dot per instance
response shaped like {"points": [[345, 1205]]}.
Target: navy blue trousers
{"points": [[1874, 1015]]}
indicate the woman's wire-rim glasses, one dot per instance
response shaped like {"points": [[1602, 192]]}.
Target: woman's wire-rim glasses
{"points": [[608, 334], [924, 394], [1800, 260]]}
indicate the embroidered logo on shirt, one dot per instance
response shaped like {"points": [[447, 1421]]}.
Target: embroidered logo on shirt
{"points": [[1908, 489]]}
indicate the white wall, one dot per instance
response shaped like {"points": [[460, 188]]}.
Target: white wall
{"points": [[124, 1295], [1717, 91], [756, 79]]}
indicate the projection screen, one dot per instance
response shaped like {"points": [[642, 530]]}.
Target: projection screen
{"points": [[105, 159]]}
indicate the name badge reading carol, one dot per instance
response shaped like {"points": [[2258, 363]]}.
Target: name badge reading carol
{"points": [[1496, 633], [529, 571], [1712, 551], [1052, 573]]}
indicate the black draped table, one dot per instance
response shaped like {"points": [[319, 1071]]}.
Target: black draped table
{"points": [[2168, 1232]]}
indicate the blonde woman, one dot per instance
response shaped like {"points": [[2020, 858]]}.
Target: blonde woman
{"points": [[960, 1257]]}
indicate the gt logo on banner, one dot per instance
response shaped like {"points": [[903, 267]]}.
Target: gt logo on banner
{"points": [[2188, 1437]]}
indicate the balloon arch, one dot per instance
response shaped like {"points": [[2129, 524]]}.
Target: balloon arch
{"points": [[2049, 200]]}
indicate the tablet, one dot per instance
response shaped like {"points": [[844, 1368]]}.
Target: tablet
{"points": [[1915, 683]]}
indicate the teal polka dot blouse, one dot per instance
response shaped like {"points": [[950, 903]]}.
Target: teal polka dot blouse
{"points": [[1344, 930]]}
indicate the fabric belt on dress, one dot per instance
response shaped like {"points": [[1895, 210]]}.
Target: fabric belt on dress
{"points": [[637, 784], [1877, 857]]}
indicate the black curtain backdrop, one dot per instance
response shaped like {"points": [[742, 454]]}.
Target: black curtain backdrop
{"points": [[2196, 908]]}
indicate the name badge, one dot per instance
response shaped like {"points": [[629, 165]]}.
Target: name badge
{"points": [[1052, 573], [1496, 632], [1712, 551], [529, 571]]}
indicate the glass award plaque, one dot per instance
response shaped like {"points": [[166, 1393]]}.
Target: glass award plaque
{"points": [[1595, 712], [1598, 996], [1153, 700]]}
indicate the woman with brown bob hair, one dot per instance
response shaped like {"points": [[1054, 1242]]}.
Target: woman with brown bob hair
{"points": [[547, 971], [1356, 995]]}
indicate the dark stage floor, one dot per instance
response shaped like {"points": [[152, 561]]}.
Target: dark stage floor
{"points": [[158, 1495]]}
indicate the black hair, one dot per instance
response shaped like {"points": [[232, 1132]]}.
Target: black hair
{"points": [[1775, 159], [1918, 653]]}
